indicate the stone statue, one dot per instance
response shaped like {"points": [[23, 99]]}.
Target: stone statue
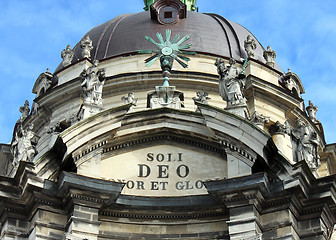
{"points": [[311, 110], [67, 55], [93, 80], [306, 142], [130, 99], [201, 97], [23, 144], [24, 110], [86, 45], [231, 84], [250, 45], [270, 56]]}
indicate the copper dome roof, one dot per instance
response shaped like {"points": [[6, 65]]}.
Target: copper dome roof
{"points": [[209, 34]]}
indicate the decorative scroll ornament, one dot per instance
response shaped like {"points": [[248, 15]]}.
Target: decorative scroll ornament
{"points": [[259, 119], [167, 52]]}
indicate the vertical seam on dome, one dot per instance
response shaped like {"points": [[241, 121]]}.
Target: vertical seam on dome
{"points": [[109, 40], [227, 37], [102, 35], [232, 29]]}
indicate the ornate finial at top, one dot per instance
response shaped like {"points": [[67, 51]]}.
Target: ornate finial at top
{"points": [[86, 45], [311, 110], [250, 45], [67, 55], [270, 56], [190, 4], [168, 51]]}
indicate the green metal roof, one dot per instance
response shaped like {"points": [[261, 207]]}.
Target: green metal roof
{"points": [[190, 4]]}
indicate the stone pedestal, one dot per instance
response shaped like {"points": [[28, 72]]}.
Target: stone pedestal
{"points": [[240, 110], [283, 143], [165, 96], [88, 110]]}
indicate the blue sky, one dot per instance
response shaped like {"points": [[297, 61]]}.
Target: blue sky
{"points": [[34, 32]]}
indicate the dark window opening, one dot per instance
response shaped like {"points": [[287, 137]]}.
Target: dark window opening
{"points": [[168, 14]]}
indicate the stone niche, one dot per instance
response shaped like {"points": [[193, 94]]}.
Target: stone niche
{"points": [[164, 171]]}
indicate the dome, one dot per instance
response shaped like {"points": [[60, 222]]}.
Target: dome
{"points": [[210, 34]]}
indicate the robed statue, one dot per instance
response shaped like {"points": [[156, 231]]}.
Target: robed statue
{"points": [[231, 82]]}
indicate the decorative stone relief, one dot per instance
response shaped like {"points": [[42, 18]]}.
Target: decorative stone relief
{"points": [[24, 110], [231, 82], [86, 45], [201, 97], [165, 97], [73, 118], [250, 45], [67, 55], [279, 128], [56, 127], [270, 56], [306, 145], [287, 81], [311, 110], [93, 80], [259, 119], [23, 144], [130, 98]]}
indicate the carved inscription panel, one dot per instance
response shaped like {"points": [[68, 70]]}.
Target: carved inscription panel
{"points": [[164, 171]]}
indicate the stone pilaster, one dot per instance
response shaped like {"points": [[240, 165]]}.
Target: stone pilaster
{"points": [[244, 223], [83, 223]]}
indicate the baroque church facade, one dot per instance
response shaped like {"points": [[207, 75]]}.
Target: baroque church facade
{"points": [[150, 128]]}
